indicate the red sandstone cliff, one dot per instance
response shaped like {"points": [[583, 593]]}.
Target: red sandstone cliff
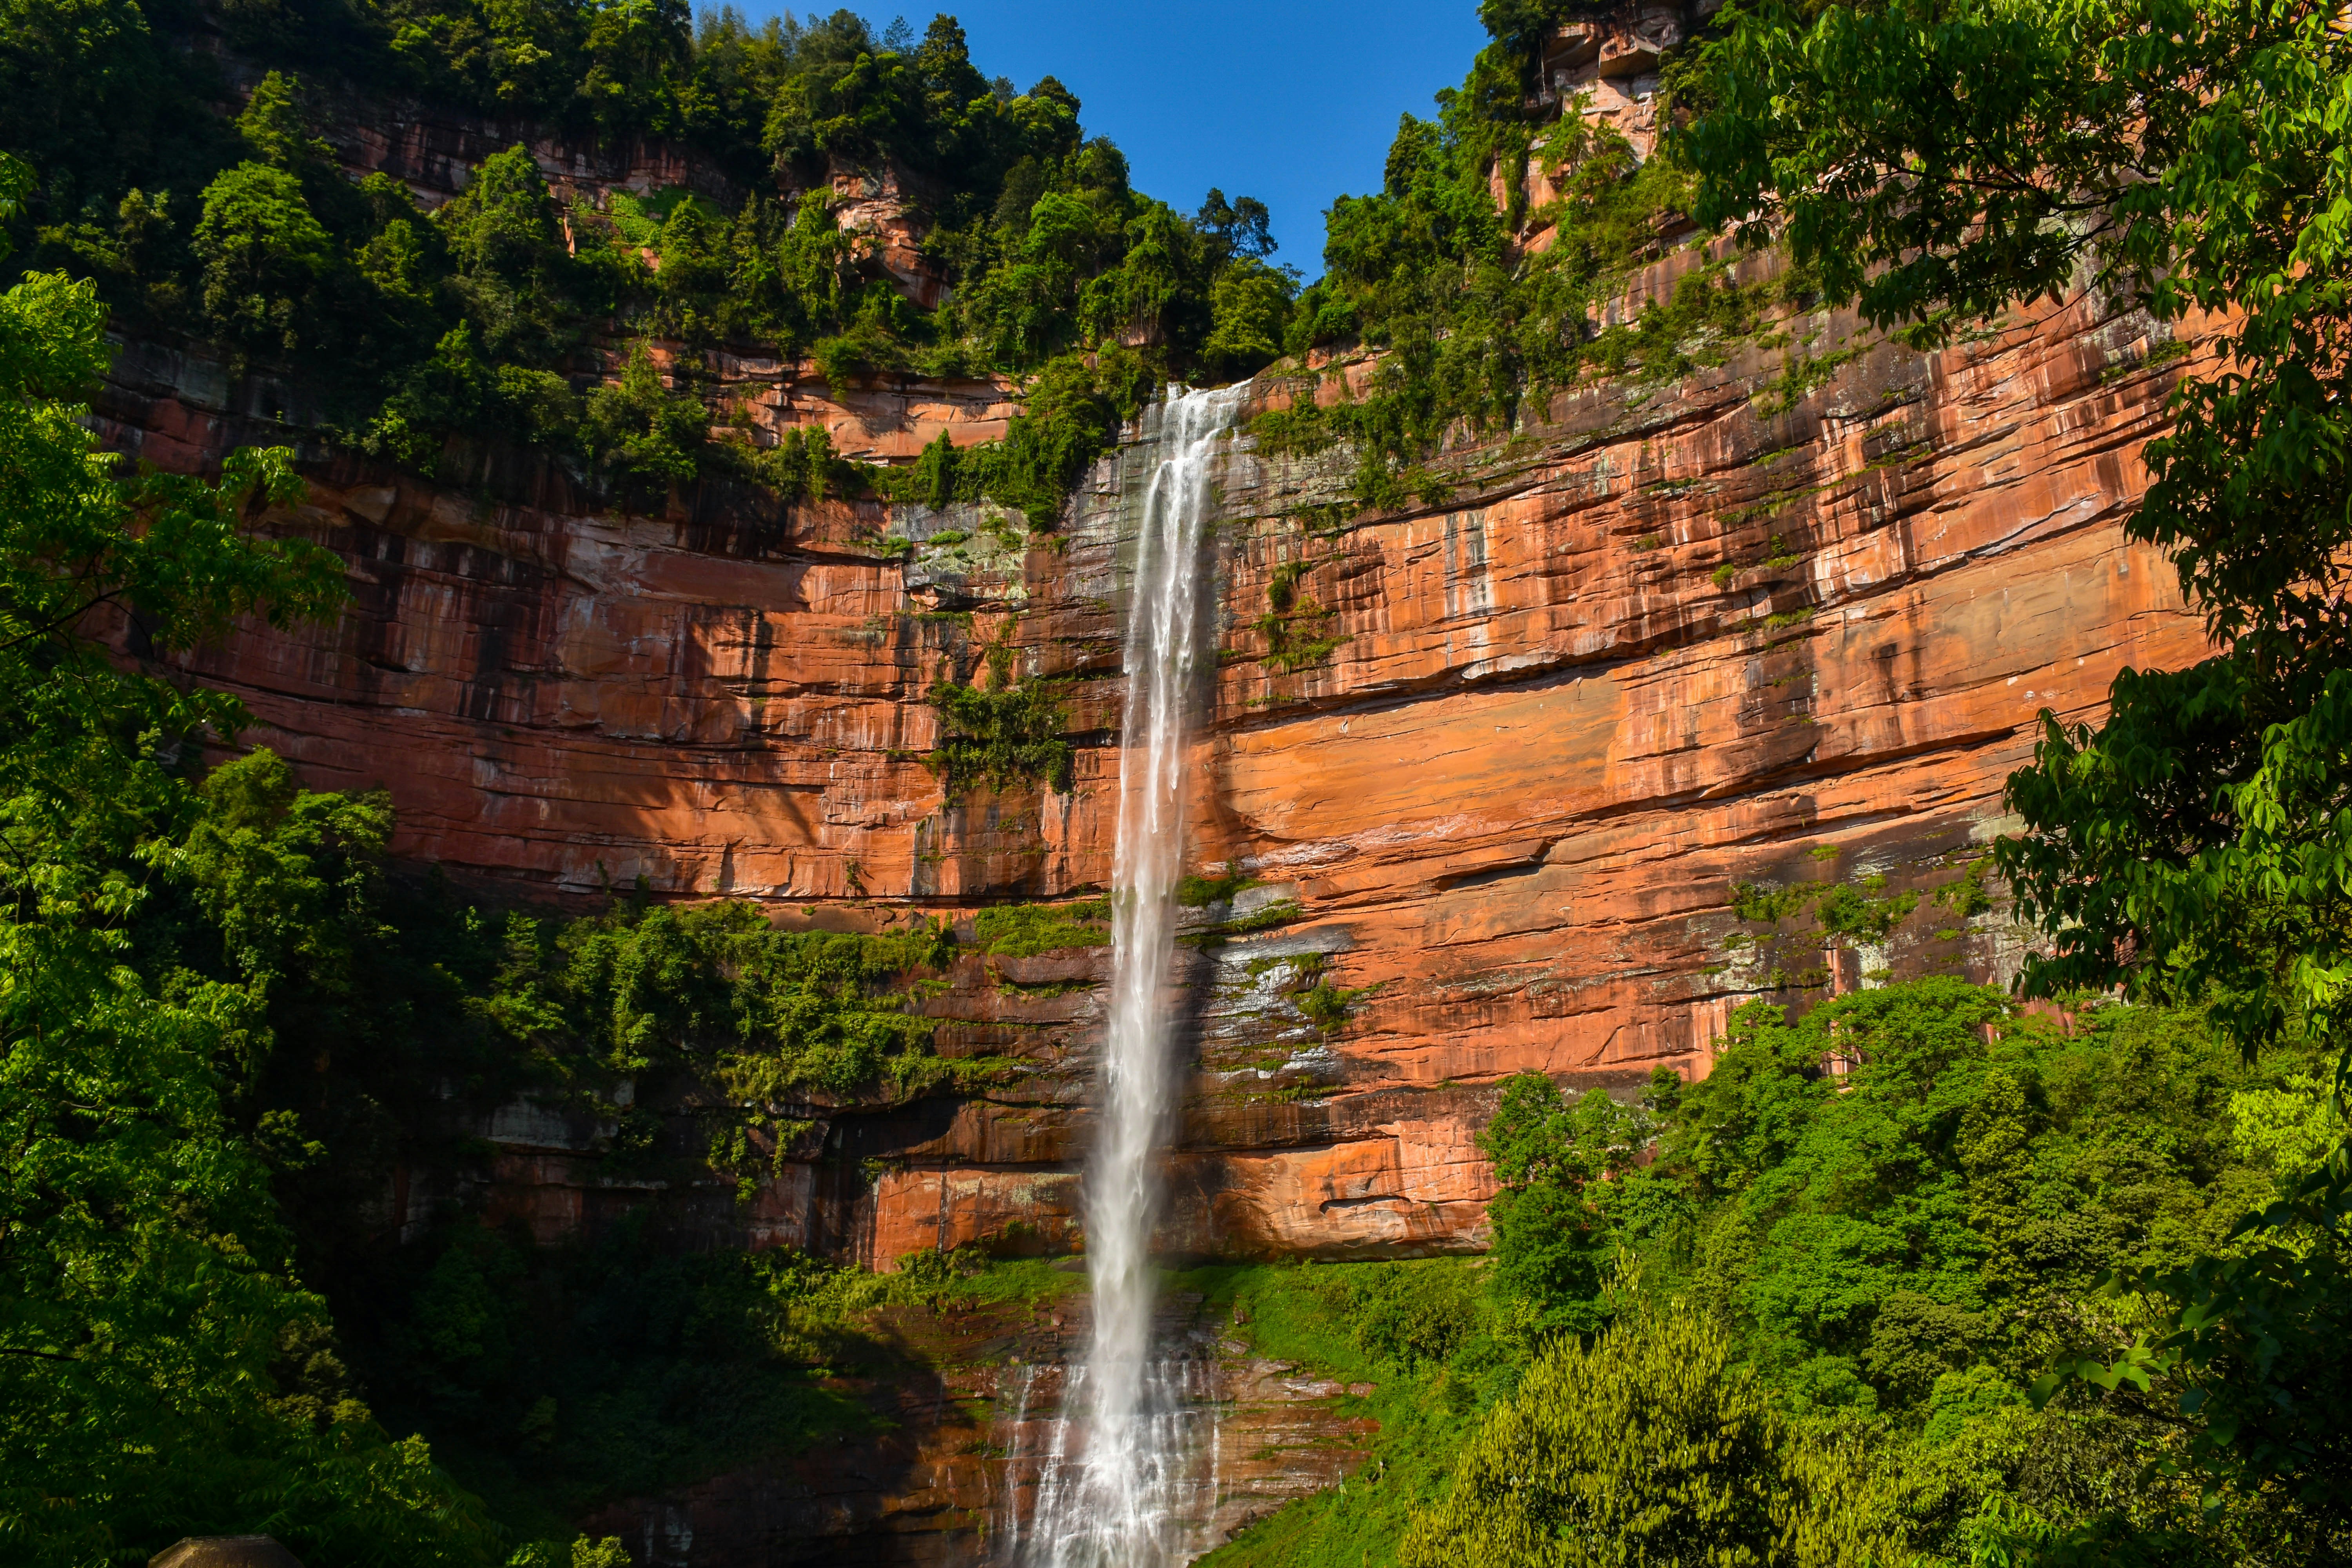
{"points": [[1662, 639], [1510, 807], [1510, 804]]}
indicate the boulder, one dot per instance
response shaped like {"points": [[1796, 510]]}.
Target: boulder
{"points": [[225, 1551]]}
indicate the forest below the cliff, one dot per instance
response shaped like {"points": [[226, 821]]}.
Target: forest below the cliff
{"points": [[1925, 1273]]}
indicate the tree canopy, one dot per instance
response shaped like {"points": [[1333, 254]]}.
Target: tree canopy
{"points": [[498, 315], [161, 1359]]}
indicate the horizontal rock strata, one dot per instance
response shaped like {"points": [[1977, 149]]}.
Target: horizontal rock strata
{"points": [[1663, 640]]}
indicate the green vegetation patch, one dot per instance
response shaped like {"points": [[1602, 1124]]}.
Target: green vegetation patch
{"points": [[712, 987], [1071, 412], [1296, 627], [1281, 912], [1001, 736], [1329, 1006], [1196, 890], [1025, 930], [1819, 1303], [1861, 911]]}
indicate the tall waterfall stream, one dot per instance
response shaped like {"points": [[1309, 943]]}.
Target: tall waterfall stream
{"points": [[1129, 1478]]}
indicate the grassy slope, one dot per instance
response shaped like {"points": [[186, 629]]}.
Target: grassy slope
{"points": [[1297, 1313]]}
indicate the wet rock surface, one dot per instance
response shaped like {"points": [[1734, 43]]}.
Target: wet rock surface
{"points": [[955, 1473]]}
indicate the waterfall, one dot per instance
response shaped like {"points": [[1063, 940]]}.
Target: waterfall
{"points": [[1121, 1486]]}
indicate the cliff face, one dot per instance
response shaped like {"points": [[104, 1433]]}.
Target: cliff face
{"points": [[1658, 642], [1495, 772], [1503, 781]]}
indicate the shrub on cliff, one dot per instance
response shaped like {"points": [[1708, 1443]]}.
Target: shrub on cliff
{"points": [[1002, 736], [712, 990], [645, 435], [1025, 930]]}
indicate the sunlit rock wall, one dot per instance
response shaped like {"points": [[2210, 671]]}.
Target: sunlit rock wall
{"points": [[1659, 640]]}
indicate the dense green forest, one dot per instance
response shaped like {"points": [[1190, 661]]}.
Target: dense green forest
{"points": [[1912, 1277], [1804, 1310], [199, 204]]}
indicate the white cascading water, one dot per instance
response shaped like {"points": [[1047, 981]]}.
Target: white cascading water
{"points": [[1121, 1485]]}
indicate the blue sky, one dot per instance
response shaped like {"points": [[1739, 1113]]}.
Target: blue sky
{"points": [[1291, 103]]}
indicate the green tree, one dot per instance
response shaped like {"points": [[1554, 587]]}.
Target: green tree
{"points": [[274, 125], [266, 260], [1652, 1445], [447, 393], [645, 434], [152, 1370], [138, 261], [637, 53], [792, 281], [1071, 414], [511, 268], [1561, 1168], [508, 54], [1249, 307], [2254, 1348], [98, 101]]}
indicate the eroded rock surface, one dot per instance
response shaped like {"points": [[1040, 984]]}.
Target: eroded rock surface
{"points": [[1660, 641]]}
